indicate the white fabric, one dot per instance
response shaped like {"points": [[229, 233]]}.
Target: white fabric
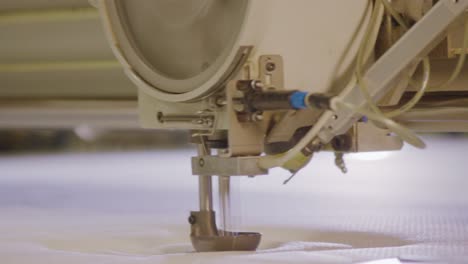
{"points": [[131, 207]]}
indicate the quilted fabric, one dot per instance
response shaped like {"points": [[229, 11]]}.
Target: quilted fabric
{"points": [[131, 207]]}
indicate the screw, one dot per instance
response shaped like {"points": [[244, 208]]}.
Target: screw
{"points": [[270, 66], [201, 162], [208, 122], [160, 117], [221, 101], [258, 116], [224, 151], [205, 66], [256, 85], [192, 220], [239, 107]]}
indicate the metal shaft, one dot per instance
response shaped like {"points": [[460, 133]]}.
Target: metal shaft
{"points": [[205, 192], [224, 183]]}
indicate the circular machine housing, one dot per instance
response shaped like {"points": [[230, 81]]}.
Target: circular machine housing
{"points": [[181, 51]]}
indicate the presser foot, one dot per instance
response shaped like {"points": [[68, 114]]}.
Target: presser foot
{"points": [[206, 237]]}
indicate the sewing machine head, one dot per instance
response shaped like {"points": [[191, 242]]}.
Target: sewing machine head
{"points": [[264, 83], [269, 82]]}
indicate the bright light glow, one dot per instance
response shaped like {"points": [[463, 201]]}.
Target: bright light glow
{"points": [[370, 156], [384, 261], [87, 133]]}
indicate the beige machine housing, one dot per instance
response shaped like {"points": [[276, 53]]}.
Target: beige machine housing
{"points": [[311, 55]]}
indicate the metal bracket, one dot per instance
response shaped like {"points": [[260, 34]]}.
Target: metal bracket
{"points": [[271, 72], [234, 166], [247, 138], [366, 137]]}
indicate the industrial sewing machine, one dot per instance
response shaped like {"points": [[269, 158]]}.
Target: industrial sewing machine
{"points": [[265, 83]]}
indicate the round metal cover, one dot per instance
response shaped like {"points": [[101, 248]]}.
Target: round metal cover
{"points": [[177, 46]]}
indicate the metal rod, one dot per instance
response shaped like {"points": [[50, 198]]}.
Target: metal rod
{"points": [[205, 192], [224, 183]]}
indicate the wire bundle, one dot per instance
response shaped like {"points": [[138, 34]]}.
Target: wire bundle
{"points": [[372, 111]]}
